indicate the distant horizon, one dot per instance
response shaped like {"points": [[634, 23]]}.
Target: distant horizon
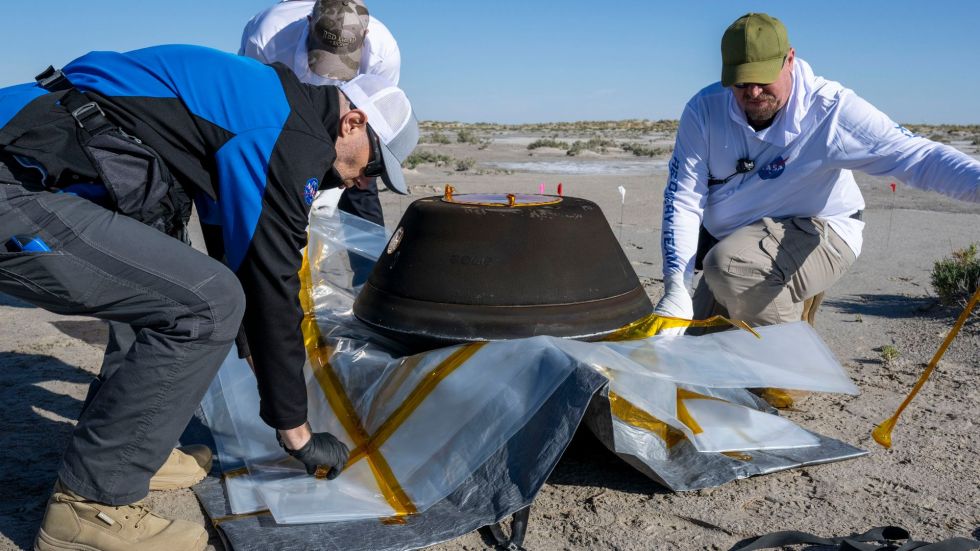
{"points": [[514, 61], [675, 121]]}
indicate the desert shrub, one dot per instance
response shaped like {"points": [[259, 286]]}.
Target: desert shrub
{"points": [[888, 354], [548, 142], [598, 145], [462, 165], [465, 135], [435, 137], [955, 279], [427, 157], [641, 150]]}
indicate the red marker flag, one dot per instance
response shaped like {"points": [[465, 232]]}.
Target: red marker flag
{"points": [[893, 186], [559, 188]]}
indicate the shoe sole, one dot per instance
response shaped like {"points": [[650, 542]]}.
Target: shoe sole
{"points": [[45, 542], [159, 483]]}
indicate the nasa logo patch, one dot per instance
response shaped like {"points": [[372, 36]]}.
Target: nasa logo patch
{"points": [[773, 169], [309, 192]]}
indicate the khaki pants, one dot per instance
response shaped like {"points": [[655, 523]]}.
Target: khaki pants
{"points": [[763, 272]]}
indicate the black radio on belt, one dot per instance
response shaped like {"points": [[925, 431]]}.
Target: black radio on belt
{"points": [[743, 166]]}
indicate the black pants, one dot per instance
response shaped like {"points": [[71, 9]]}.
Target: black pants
{"points": [[184, 309]]}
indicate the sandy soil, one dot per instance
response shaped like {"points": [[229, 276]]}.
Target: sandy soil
{"points": [[929, 482]]}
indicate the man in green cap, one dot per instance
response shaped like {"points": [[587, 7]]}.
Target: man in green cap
{"points": [[760, 181]]}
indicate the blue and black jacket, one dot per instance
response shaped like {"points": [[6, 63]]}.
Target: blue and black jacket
{"points": [[248, 141]]}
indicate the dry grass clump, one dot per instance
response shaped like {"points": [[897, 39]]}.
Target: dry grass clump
{"points": [[634, 126], [956, 278], [599, 145], [435, 137], [423, 157], [641, 150], [548, 142]]}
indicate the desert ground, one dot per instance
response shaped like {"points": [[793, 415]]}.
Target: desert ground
{"points": [[882, 320]]}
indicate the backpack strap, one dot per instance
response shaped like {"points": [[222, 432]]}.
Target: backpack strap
{"points": [[91, 119]]}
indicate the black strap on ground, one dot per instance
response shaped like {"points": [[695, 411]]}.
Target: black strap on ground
{"points": [[885, 538], [518, 529]]}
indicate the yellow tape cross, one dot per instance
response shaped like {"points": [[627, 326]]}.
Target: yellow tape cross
{"points": [[341, 404], [366, 445]]}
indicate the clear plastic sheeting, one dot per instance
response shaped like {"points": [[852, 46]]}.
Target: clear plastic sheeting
{"points": [[419, 426]]}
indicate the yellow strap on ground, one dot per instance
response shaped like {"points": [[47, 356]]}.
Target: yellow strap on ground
{"points": [[883, 432], [632, 415], [235, 473], [682, 412], [340, 403], [218, 520], [654, 324], [415, 399]]}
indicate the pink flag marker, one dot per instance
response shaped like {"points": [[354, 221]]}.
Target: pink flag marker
{"points": [[541, 188]]}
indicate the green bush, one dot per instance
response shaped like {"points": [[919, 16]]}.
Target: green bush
{"points": [[598, 145], [888, 354], [548, 142], [956, 279], [462, 165], [465, 135], [641, 150], [435, 137], [427, 157]]}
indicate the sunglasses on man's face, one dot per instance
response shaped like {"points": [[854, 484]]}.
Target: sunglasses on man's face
{"points": [[376, 164]]}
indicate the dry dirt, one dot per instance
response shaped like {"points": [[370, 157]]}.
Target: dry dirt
{"points": [[929, 482]]}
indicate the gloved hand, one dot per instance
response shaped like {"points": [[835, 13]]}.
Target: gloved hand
{"points": [[676, 302], [323, 449]]}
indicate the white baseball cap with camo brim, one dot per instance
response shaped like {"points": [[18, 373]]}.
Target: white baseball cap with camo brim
{"points": [[390, 115]]}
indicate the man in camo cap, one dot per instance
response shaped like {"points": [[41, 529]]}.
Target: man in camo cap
{"points": [[337, 33], [327, 42]]}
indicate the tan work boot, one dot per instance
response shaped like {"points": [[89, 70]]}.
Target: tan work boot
{"points": [[72, 522], [185, 467]]}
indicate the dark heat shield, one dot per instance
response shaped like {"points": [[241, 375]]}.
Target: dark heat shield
{"points": [[492, 267]]}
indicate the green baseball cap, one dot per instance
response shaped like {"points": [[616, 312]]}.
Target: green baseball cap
{"points": [[753, 49]]}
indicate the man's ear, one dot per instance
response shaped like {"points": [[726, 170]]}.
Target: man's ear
{"points": [[352, 120]]}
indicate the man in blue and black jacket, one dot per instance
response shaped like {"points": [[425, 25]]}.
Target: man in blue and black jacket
{"points": [[98, 165]]}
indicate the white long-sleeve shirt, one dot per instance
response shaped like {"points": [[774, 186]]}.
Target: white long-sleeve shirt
{"points": [[279, 33], [803, 164]]}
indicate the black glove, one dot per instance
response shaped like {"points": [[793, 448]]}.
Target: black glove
{"points": [[324, 450]]}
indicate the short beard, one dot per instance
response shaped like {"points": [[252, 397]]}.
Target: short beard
{"points": [[763, 115]]}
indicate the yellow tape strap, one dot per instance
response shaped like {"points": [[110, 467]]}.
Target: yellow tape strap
{"points": [[339, 402], [883, 432], [654, 324], [684, 416], [235, 473], [218, 520], [632, 415], [741, 456], [415, 399], [394, 382]]}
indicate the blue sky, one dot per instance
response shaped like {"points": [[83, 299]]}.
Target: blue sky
{"points": [[536, 61]]}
